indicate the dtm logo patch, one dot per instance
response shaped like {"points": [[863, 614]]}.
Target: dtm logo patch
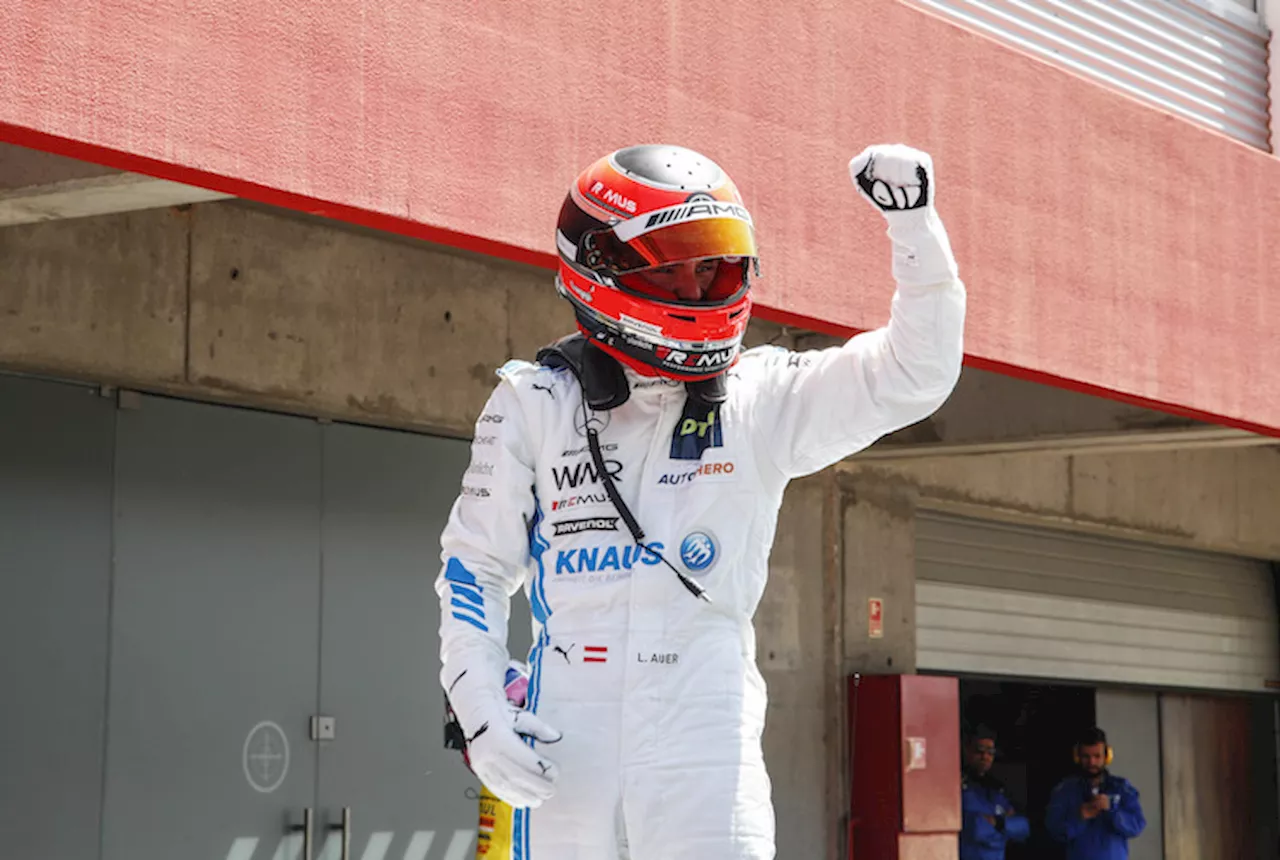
{"points": [[699, 552], [696, 431]]}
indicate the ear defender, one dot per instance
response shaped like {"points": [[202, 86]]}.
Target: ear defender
{"points": [[1106, 762]]}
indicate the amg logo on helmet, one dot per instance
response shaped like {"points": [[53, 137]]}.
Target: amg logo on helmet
{"points": [[709, 209], [613, 198]]}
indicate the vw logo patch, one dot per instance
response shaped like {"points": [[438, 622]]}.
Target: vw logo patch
{"points": [[699, 551]]}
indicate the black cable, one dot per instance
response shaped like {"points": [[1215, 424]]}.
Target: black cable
{"points": [[611, 489], [637, 534]]}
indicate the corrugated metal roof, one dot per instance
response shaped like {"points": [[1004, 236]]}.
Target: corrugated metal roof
{"points": [[1204, 61]]}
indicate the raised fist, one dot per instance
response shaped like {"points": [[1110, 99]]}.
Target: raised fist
{"points": [[895, 178]]}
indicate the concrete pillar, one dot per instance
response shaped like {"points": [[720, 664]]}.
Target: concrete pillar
{"points": [[798, 653], [879, 565]]}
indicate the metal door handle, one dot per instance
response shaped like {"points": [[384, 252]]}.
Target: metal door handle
{"points": [[345, 827], [305, 827]]}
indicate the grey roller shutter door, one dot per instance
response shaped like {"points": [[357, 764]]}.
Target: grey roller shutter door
{"points": [[1000, 599]]}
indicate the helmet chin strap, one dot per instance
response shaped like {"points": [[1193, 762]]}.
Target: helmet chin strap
{"points": [[604, 383]]}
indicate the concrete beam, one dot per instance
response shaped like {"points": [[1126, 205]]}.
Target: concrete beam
{"points": [[98, 195], [21, 167], [1133, 441], [97, 299], [993, 414]]}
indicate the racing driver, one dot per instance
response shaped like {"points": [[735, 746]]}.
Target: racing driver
{"points": [[629, 481]]}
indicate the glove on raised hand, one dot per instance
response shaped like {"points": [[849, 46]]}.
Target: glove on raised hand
{"points": [[899, 181]]}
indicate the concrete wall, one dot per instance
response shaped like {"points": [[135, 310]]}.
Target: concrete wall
{"points": [[233, 303], [1216, 499]]}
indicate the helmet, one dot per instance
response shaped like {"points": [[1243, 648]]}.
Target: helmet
{"points": [[645, 207]]}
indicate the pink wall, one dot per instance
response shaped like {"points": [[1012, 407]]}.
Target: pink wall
{"points": [[1107, 246]]}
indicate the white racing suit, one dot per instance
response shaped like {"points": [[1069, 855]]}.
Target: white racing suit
{"points": [[656, 692]]}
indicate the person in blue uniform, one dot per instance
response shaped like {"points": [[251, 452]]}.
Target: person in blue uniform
{"points": [[989, 818], [1094, 812]]}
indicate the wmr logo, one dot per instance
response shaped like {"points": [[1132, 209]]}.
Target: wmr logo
{"points": [[582, 473], [695, 432]]}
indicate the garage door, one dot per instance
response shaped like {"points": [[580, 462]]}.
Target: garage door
{"points": [[1002, 599]]}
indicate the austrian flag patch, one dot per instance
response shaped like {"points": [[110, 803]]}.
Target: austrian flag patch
{"points": [[595, 654]]}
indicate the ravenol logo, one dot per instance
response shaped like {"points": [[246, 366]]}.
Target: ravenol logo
{"points": [[695, 432], [698, 551]]}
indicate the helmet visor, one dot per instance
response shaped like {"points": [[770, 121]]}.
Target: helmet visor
{"points": [[687, 231]]}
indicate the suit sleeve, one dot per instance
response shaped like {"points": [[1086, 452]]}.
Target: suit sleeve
{"points": [[1127, 819], [1017, 828], [1062, 819], [484, 554], [824, 405], [980, 832]]}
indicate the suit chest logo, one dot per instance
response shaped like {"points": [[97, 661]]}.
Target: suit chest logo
{"points": [[698, 429]]}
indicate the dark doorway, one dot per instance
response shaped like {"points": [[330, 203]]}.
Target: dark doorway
{"points": [[1036, 724]]}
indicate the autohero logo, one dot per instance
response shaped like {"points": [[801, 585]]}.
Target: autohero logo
{"points": [[607, 195], [706, 473], [589, 524], [696, 360], [695, 432], [700, 209], [583, 473], [699, 551], [598, 559], [578, 500]]}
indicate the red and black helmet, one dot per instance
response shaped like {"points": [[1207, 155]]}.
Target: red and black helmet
{"points": [[645, 207]]}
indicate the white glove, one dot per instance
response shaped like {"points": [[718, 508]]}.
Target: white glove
{"points": [[509, 767], [898, 180], [495, 732]]}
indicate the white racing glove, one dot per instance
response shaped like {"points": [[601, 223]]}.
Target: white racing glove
{"points": [[496, 749], [899, 181]]}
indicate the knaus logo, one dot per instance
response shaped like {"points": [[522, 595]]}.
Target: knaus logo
{"points": [[594, 558], [379, 847], [580, 473]]}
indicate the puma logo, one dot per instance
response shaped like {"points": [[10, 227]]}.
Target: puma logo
{"points": [[563, 652], [546, 388]]}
